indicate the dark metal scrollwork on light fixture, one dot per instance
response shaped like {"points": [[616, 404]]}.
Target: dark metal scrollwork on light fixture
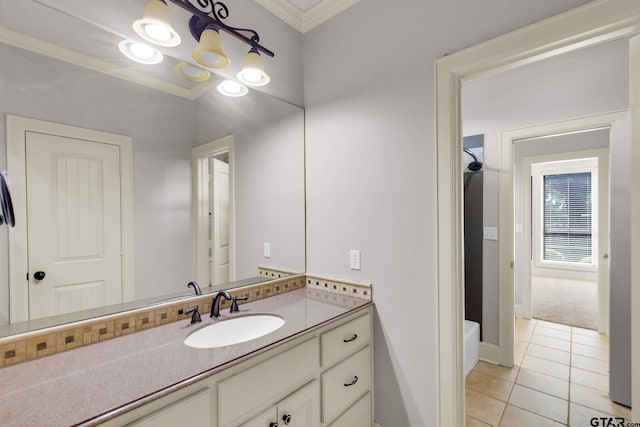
{"points": [[205, 25], [213, 13]]}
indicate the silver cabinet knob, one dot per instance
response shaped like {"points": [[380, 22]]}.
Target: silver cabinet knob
{"points": [[605, 256]]}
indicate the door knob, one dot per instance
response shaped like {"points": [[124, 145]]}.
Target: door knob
{"points": [[39, 275]]}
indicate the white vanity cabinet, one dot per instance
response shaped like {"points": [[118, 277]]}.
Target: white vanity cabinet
{"points": [[301, 409], [347, 376], [195, 408], [324, 378]]}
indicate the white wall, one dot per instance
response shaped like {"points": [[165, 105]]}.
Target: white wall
{"points": [[586, 82], [368, 77]]}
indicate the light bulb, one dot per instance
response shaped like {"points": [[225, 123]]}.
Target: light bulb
{"points": [[232, 88], [158, 32]]}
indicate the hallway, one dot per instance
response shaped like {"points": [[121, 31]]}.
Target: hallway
{"points": [[560, 378]]}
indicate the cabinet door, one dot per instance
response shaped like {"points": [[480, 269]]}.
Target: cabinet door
{"points": [[265, 419], [359, 415], [302, 408]]}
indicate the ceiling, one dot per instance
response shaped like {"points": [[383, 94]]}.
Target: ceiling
{"points": [[303, 15]]}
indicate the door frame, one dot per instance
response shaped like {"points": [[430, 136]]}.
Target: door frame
{"points": [[602, 155], [18, 247], [507, 141], [200, 185], [594, 23]]}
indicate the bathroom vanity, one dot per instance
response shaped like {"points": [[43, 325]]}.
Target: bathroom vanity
{"points": [[315, 370]]}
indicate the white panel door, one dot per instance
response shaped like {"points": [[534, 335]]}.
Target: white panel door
{"points": [[219, 201], [74, 224]]}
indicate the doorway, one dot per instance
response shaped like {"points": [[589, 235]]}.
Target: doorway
{"points": [[72, 247], [561, 239], [586, 26], [214, 211], [565, 200]]}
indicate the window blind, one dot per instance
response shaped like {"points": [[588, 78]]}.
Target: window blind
{"points": [[567, 218]]}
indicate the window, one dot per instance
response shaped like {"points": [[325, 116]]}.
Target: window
{"points": [[564, 214], [567, 218]]}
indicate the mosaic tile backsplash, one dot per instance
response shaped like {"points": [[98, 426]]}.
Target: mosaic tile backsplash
{"points": [[32, 345]]}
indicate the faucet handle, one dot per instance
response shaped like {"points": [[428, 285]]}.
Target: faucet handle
{"points": [[234, 303], [195, 317]]}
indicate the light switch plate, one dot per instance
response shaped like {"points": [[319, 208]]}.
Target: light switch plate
{"points": [[354, 259], [490, 233]]}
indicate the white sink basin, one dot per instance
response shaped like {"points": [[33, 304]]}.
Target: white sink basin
{"points": [[234, 331]]}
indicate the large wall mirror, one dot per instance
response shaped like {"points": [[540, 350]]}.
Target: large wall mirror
{"points": [[61, 69]]}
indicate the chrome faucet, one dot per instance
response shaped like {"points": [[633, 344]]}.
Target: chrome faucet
{"points": [[215, 305]]}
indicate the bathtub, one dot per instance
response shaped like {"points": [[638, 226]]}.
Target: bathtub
{"points": [[471, 345]]}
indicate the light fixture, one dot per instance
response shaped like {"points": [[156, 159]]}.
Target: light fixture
{"points": [[155, 25], [192, 72], [232, 88], [140, 52], [252, 72], [205, 24], [210, 52]]}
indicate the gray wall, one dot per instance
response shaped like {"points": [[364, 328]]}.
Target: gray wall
{"points": [[269, 142], [368, 78], [620, 266], [587, 82]]}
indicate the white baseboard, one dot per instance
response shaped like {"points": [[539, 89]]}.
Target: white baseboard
{"points": [[489, 353], [376, 425], [519, 310]]}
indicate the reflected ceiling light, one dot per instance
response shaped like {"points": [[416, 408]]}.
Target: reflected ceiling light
{"points": [[252, 72], [140, 52], [210, 52], [205, 25], [192, 72], [155, 25], [232, 88]]}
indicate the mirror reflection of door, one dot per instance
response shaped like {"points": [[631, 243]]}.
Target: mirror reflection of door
{"points": [[73, 222], [219, 230], [214, 211], [68, 244]]}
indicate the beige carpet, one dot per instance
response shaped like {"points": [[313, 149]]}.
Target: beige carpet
{"points": [[571, 302]]}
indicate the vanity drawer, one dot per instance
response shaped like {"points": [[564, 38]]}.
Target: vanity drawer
{"points": [[345, 383], [258, 385], [342, 340]]}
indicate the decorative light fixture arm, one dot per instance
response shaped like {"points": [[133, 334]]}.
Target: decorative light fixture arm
{"points": [[210, 15]]}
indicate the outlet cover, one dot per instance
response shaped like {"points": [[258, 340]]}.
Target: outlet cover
{"points": [[267, 250]]}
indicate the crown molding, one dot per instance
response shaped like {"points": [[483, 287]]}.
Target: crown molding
{"points": [[22, 41], [305, 21]]}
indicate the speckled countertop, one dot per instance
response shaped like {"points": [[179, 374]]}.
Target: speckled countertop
{"points": [[97, 382]]}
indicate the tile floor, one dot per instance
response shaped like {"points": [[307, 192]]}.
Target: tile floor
{"points": [[560, 378]]}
